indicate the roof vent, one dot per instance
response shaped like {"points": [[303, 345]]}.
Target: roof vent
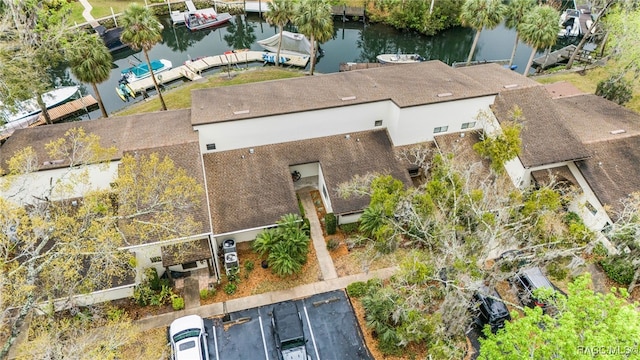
{"points": [[347, 98], [53, 162], [240, 112], [251, 151], [616, 132], [444, 94], [347, 136], [510, 86]]}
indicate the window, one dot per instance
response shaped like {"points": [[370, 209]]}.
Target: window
{"points": [[211, 146], [414, 172], [156, 259], [468, 125], [378, 123], [324, 191], [190, 265], [440, 129], [591, 208]]}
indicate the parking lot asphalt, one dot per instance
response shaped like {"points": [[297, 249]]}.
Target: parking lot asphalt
{"points": [[329, 325]]}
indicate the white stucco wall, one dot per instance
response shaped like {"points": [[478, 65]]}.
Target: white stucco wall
{"points": [[305, 170], [519, 176], [322, 187], [348, 219], [239, 236], [290, 127], [595, 222], [25, 188], [416, 124]]}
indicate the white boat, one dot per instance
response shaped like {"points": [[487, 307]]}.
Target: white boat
{"points": [[26, 112], [141, 70], [570, 23], [178, 17], [197, 21], [399, 58], [292, 43]]}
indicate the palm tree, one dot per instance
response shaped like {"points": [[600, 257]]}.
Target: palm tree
{"points": [[539, 29], [141, 30], [90, 62], [313, 18], [480, 14], [280, 13], [514, 14]]}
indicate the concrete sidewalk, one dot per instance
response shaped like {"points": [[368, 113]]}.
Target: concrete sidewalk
{"points": [[86, 13], [317, 237], [253, 301]]}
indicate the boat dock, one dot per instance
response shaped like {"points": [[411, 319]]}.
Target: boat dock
{"points": [[61, 112], [192, 69], [348, 66], [262, 6], [561, 56]]}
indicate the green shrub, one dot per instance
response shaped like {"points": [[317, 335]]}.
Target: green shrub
{"points": [[230, 288], [558, 270], [616, 89], [306, 227], [357, 289], [300, 207], [142, 294], [330, 223], [161, 297], [177, 302], [618, 269], [232, 275], [599, 251], [204, 294], [349, 228], [332, 244], [286, 247], [249, 265]]}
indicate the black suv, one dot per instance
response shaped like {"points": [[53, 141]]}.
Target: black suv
{"points": [[489, 308], [288, 333], [528, 280]]}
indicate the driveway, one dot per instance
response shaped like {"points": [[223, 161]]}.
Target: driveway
{"points": [[329, 324]]}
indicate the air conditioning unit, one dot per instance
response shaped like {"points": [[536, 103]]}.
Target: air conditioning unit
{"points": [[230, 261], [228, 246]]}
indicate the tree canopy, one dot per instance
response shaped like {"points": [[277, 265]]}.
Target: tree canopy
{"points": [[51, 250], [587, 325]]}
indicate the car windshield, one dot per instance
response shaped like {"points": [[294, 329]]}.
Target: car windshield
{"points": [[184, 334], [292, 344], [187, 345]]}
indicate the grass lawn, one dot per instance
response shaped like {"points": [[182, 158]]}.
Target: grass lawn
{"points": [[180, 97], [588, 81]]}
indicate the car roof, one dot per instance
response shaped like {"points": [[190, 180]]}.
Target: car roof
{"points": [[496, 307], [288, 323], [536, 277], [184, 323]]}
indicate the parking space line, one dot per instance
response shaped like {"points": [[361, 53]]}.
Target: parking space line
{"points": [[264, 342], [215, 340], [313, 339]]}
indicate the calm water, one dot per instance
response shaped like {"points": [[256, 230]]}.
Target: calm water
{"points": [[352, 42]]}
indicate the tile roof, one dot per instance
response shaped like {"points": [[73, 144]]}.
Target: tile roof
{"points": [[406, 85], [612, 172], [545, 137], [249, 190], [593, 118], [126, 133]]}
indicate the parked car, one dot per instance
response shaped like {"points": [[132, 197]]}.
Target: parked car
{"points": [[489, 308], [527, 281], [188, 339], [288, 333]]}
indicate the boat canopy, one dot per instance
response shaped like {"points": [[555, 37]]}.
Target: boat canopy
{"points": [[292, 43]]}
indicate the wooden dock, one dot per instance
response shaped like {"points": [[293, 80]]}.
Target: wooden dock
{"points": [[358, 66], [561, 56], [192, 69], [64, 111], [68, 109]]}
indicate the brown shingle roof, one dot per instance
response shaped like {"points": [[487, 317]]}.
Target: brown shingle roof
{"points": [[251, 190], [612, 172], [592, 118], [126, 133], [496, 78], [545, 138], [562, 89], [406, 85]]}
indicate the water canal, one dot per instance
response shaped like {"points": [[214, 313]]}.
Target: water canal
{"points": [[353, 41]]}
